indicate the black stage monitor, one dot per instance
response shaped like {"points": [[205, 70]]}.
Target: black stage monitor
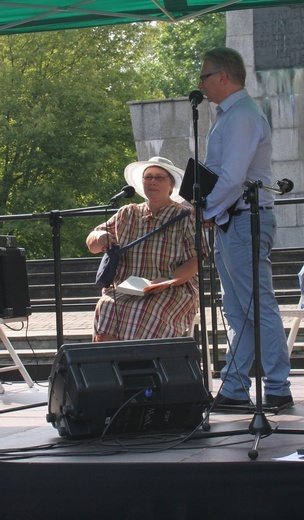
{"points": [[124, 387], [14, 289]]}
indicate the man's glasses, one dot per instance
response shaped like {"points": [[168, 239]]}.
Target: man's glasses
{"points": [[205, 76], [158, 178]]}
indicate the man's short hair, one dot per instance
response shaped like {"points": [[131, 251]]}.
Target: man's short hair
{"points": [[229, 60]]}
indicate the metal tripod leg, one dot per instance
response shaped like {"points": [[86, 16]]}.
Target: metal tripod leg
{"points": [[17, 361]]}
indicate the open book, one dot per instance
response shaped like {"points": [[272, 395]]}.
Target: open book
{"points": [[138, 286]]}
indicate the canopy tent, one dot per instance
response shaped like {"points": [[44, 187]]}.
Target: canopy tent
{"points": [[25, 16]]}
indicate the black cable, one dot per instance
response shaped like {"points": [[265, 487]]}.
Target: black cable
{"points": [[122, 408], [105, 448], [232, 361], [23, 407]]}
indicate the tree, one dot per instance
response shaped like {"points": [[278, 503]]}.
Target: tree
{"points": [[173, 61], [64, 137], [65, 128]]}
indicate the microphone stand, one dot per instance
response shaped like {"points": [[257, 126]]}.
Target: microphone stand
{"points": [[199, 204], [213, 303], [259, 424], [56, 221]]}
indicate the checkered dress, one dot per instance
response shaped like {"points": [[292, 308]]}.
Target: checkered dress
{"points": [[164, 315]]}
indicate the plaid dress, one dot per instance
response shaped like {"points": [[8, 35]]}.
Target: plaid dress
{"points": [[164, 315]]}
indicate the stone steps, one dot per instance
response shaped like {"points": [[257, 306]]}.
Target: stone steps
{"points": [[41, 345], [79, 296], [79, 292]]}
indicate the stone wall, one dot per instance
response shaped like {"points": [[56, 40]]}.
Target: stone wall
{"points": [[165, 127], [280, 93]]}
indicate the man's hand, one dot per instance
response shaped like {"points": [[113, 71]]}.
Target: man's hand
{"points": [[208, 222]]}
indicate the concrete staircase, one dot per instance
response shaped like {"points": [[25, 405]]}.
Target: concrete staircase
{"points": [[79, 296], [78, 289], [79, 292]]}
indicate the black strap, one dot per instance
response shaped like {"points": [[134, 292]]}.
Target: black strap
{"points": [[144, 237]]}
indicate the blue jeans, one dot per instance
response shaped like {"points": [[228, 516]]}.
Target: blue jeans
{"points": [[233, 259]]}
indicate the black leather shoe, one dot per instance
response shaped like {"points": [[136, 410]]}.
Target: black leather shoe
{"points": [[277, 401], [222, 400]]}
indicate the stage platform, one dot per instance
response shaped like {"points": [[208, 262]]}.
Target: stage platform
{"points": [[206, 475]]}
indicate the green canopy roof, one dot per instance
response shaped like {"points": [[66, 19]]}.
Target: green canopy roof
{"points": [[37, 15]]}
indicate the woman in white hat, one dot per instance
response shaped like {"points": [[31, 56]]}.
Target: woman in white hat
{"points": [[168, 310]]}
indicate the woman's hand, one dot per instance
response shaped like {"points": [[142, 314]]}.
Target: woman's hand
{"points": [[181, 275], [99, 241], [160, 288]]}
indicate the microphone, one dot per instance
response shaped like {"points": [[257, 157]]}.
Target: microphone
{"points": [[195, 98], [285, 185], [126, 193]]}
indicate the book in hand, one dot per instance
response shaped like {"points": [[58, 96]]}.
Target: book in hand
{"points": [[137, 286]]}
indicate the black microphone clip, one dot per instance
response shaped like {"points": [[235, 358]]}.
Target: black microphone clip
{"points": [[285, 185], [195, 98]]}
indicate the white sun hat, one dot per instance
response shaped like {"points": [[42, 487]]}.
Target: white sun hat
{"points": [[134, 173]]}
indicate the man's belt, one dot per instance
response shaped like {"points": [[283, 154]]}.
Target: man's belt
{"points": [[238, 212]]}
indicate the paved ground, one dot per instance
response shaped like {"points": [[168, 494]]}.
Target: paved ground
{"points": [[44, 324], [75, 324]]}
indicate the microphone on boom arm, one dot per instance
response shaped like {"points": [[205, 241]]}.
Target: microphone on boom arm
{"points": [[126, 193], [195, 98], [284, 186]]}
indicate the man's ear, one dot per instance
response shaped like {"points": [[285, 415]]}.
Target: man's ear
{"points": [[223, 77]]}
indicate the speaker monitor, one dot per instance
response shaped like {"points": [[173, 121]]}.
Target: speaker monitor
{"points": [[124, 387], [14, 290]]}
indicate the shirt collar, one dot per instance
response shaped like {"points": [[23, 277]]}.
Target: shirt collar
{"points": [[232, 99]]}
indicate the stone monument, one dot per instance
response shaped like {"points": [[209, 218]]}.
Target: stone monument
{"points": [[272, 44], [165, 128]]}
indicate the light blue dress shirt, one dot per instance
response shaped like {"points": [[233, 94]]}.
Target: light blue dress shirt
{"points": [[238, 149]]}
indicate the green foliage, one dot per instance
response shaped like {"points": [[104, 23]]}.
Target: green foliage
{"points": [[65, 128], [64, 138], [173, 61]]}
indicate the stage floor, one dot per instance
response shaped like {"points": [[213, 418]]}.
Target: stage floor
{"points": [[23, 426], [153, 477]]}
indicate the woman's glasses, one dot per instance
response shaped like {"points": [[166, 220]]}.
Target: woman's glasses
{"points": [[158, 178]]}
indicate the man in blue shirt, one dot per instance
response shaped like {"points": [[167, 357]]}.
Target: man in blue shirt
{"points": [[238, 149]]}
